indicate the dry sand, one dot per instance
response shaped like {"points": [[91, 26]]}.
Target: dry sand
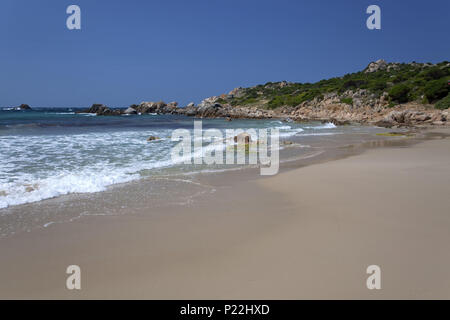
{"points": [[305, 233]]}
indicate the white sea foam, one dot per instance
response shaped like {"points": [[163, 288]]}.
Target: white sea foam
{"points": [[34, 168], [87, 114], [327, 125], [321, 134], [284, 127], [290, 133]]}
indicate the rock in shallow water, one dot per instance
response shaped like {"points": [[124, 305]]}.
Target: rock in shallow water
{"points": [[152, 138], [102, 110]]}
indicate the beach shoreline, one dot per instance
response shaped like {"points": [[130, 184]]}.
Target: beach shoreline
{"points": [[68, 194], [308, 232]]}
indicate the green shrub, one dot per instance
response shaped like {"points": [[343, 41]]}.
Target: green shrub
{"points": [[436, 89], [347, 101], [249, 101], [294, 100], [443, 103], [221, 101], [378, 85], [399, 78], [399, 93], [276, 102], [433, 73], [353, 84]]}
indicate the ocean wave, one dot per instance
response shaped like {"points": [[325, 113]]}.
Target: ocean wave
{"points": [[284, 127], [327, 125], [291, 133], [88, 181], [34, 168], [321, 134], [39, 167], [88, 114], [60, 112]]}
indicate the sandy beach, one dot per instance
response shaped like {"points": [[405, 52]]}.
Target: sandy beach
{"points": [[305, 233]]}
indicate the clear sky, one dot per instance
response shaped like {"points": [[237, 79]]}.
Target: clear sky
{"points": [[185, 50]]}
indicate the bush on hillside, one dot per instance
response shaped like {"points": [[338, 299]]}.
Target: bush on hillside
{"points": [[436, 90], [443, 103], [399, 93], [347, 101], [433, 73]]}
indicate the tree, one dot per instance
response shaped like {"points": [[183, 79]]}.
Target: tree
{"points": [[436, 89], [399, 93]]}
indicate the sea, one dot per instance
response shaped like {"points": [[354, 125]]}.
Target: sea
{"points": [[60, 153]]}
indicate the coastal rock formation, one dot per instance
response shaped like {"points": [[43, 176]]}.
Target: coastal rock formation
{"points": [[143, 108], [152, 138], [368, 109], [24, 107], [364, 108], [130, 110], [102, 110], [153, 107], [377, 65]]}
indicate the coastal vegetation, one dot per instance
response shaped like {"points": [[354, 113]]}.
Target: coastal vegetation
{"points": [[444, 103], [402, 82]]}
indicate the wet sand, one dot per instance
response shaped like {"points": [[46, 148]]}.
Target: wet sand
{"points": [[307, 232]]}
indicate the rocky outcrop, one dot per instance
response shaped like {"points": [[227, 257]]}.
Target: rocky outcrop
{"points": [[365, 108], [337, 122], [410, 117], [152, 138], [153, 107], [368, 108], [210, 108], [130, 110], [102, 110], [24, 107], [143, 108], [377, 65], [351, 106], [96, 108]]}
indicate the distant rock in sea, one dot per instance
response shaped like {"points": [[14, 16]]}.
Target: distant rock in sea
{"points": [[24, 107], [102, 110]]}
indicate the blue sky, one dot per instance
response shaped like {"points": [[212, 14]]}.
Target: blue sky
{"points": [[135, 50]]}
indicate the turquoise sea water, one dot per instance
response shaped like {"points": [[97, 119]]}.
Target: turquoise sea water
{"points": [[45, 153]]}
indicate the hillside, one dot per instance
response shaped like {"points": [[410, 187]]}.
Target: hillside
{"points": [[398, 83]]}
